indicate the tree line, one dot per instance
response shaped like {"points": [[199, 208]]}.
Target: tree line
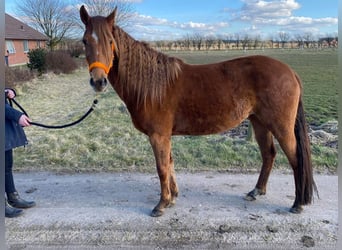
{"points": [[246, 42]]}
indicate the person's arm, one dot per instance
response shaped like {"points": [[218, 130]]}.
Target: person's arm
{"points": [[13, 114]]}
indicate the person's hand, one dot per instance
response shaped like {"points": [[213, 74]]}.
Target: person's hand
{"points": [[10, 93], [24, 121]]}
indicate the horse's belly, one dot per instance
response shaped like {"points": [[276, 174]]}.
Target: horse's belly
{"points": [[197, 125], [211, 118]]}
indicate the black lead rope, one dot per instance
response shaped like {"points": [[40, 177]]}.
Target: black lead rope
{"points": [[57, 126]]}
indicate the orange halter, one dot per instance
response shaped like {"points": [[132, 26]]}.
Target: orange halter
{"points": [[101, 65]]}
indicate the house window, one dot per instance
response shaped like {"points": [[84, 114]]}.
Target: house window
{"points": [[38, 44], [10, 47], [26, 46]]}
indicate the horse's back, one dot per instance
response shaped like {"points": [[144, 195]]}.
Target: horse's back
{"points": [[250, 72]]}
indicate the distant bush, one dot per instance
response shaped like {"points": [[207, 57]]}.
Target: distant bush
{"points": [[13, 76], [76, 50], [37, 60], [60, 62]]}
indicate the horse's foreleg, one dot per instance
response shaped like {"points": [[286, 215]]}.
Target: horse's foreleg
{"points": [[264, 139], [173, 183], [162, 148]]}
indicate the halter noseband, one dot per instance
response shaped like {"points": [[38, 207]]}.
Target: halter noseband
{"points": [[101, 65]]}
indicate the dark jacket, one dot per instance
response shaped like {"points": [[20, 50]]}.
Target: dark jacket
{"points": [[14, 133]]}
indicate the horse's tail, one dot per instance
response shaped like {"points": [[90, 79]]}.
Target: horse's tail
{"points": [[306, 183]]}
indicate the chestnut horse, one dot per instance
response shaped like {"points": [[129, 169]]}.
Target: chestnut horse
{"points": [[166, 96]]}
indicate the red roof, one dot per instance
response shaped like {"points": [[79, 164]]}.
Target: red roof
{"points": [[17, 30]]}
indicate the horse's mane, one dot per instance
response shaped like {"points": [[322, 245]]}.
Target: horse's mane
{"points": [[144, 72]]}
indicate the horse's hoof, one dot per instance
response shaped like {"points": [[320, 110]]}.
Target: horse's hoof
{"points": [[296, 210], [157, 213], [171, 204], [251, 196]]}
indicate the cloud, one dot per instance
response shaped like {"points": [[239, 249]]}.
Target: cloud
{"points": [[160, 28], [149, 20], [267, 9], [205, 27], [279, 14], [306, 21], [259, 9], [305, 24]]}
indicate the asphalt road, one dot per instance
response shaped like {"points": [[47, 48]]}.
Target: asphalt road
{"points": [[111, 211]]}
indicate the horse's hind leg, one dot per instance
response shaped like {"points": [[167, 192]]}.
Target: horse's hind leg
{"points": [[287, 140], [288, 144], [264, 139]]}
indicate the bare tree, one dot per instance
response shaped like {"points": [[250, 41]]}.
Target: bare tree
{"points": [[300, 40], [178, 44], [271, 41], [159, 44], [219, 42], [245, 42], [257, 42], [226, 40], [209, 42], [51, 17], [284, 38], [197, 40], [308, 39], [187, 41], [169, 44], [237, 38], [124, 16]]}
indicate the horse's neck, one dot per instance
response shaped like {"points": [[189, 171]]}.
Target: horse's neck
{"points": [[141, 73], [119, 86]]}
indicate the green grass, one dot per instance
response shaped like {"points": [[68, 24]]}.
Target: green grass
{"points": [[107, 140]]}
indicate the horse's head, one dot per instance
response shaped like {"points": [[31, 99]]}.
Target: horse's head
{"points": [[99, 47]]}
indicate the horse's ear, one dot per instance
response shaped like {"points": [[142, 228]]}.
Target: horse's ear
{"points": [[84, 15], [111, 16]]}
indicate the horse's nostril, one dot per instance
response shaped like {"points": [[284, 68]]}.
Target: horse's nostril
{"points": [[91, 82], [104, 82]]}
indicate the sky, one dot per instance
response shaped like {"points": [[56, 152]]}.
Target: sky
{"points": [[175, 19]]}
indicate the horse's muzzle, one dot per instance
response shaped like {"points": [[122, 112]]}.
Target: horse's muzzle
{"points": [[99, 85]]}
